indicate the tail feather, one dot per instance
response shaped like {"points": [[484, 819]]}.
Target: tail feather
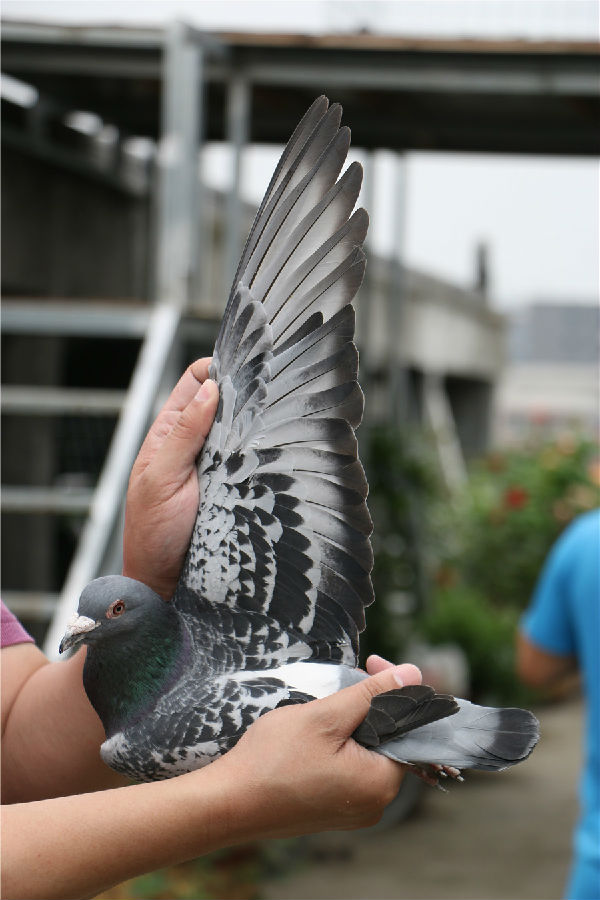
{"points": [[399, 711], [474, 737], [512, 735]]}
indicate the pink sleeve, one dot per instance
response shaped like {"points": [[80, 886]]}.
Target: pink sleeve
{"points": [[11, 631]]}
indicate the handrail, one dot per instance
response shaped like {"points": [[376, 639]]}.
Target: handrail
{"points": [[175, 259], [112, 484], [439, 416]]}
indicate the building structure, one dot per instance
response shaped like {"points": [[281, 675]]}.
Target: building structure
{"points": [[109, 277], [551, 385]]}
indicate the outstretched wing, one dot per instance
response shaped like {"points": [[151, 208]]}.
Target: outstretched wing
{"points": [[282, 527]]}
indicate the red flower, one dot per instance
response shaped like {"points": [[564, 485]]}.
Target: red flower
{"points": [[496, 462], [446, 576], [516, 497]]}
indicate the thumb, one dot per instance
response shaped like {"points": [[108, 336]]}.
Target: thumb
{"points": [[348, 707]]}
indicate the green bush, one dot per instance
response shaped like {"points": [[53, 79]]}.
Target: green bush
{"points": [[486, 634], [501, 529], [403, 482], [515, 506], [461, 569]]}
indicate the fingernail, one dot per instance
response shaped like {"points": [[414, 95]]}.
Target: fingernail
{"points": [[397, 677], [205, 390]]}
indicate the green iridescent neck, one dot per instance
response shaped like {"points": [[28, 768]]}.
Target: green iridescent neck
{"points": [[124, 677]]}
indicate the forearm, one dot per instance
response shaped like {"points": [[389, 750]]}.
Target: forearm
{"points": [[64, 757], [294, 771], [107, 837], [541, 669]]}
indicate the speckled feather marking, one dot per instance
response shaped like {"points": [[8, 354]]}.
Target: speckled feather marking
{"points": [[283, 528], [190, 739], [205, 713]]}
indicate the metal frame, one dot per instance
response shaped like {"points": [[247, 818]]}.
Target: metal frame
{"points": [[42, 400], [438, 414], [181, 127], [176, 214], [238, 132], [185, 61], [544, 94]]}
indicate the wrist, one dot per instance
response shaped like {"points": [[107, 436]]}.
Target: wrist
{"points": [[226, 802]]}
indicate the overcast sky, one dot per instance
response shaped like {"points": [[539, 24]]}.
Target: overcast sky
{"points": [[539, 216]]}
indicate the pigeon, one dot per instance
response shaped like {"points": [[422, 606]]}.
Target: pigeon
{"points": [[272, 595]]}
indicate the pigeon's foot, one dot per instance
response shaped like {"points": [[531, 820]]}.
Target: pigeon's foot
{"points": [[451, 771], [431, 773]]}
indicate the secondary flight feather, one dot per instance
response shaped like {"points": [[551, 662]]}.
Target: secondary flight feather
{"points": [[273, 591]]}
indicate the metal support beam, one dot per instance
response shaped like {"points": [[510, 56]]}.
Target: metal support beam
{"points": [[439, 417], [475, 77], [396, 295], [176, 206], [41, 400], [362, 303], [69, 318], [238, 117], [39, 500], [33, 605]]}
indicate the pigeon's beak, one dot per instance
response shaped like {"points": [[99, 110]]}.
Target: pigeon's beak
{"points": [[78, 628]]}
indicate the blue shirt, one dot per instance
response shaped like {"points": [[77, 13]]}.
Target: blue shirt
{"points": [[564, 618]]}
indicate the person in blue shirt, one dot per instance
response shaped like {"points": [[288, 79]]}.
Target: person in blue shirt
{"points": [[560, 632]]}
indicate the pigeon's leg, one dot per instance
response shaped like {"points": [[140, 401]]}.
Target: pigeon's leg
{"points": [[446, 771], [430, 773], [426, 775]]}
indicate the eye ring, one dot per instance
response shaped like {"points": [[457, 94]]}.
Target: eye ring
{"points": [[117, 608]]}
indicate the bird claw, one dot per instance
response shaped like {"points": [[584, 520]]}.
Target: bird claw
{"points": [[431, 774]]}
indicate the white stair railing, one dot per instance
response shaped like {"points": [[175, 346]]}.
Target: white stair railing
{"points": [[176, 243], [112, 484]]}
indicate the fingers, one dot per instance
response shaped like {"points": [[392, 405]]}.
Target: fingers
{"points": [[408, 673], [347, 708], [200, 367], [375, 664], [182, 394], [187, 386], [178, 452]]}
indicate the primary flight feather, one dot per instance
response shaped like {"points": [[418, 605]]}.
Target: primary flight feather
{"points": [[272, 594]]}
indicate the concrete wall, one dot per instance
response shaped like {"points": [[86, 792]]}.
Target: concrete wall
{"points": [[411, 325], [547, 398]]}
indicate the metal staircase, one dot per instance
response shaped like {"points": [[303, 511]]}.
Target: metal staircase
{"points": [[156, 325], [40, 401], [98, 505]]}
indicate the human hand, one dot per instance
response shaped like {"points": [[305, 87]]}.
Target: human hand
{"points": [[376, 664], [429, 774], [297, 769], [162, 497]]}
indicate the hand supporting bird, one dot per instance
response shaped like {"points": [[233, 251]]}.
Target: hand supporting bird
{"points": [[338, 785], [162, 501], [162, 498]]}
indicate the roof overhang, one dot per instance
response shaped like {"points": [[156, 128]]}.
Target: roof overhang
{"points": [[398, 93]]}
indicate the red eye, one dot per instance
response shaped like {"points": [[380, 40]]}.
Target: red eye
{"points": [[115, 609]]}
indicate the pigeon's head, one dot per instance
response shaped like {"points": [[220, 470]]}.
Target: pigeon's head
{"points": [[109, 607]]}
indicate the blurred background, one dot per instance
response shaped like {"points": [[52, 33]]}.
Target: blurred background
{"points": [[137, 141]]}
